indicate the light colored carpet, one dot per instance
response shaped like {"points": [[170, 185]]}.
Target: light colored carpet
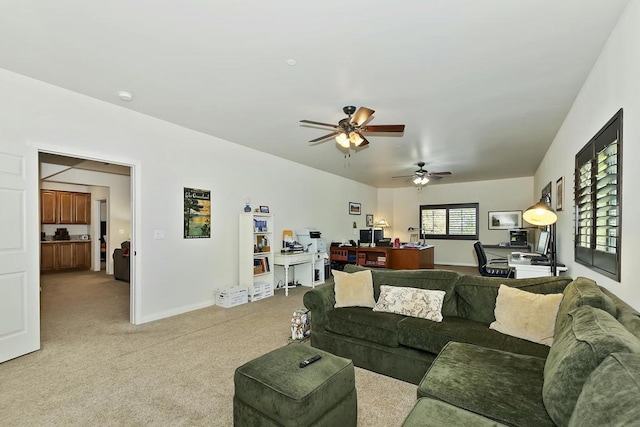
{"points": [[95, 368]]}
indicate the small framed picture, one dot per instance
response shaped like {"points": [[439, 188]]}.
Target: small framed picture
{"points": [[355, 208], [264, 209], [369, 220], [560, 194], [505, 220]]}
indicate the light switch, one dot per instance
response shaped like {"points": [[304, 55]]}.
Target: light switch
{"points": [[158, 234]]}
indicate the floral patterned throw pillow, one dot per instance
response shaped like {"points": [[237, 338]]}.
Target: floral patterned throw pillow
{"points": [[414, 302]]}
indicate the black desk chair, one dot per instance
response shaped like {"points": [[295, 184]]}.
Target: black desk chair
{"points": [[498, 267]]}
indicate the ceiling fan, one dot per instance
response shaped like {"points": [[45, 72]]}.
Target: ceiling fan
{"points": [[422, 176], [351, 129]]}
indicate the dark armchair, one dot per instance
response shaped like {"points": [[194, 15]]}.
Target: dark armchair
{"points": [[493, 268], [121, 262]]}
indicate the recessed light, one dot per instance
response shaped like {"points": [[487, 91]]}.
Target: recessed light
{"points": [[291, 62], [125, 96]]}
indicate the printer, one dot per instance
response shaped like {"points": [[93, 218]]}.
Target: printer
{"points": [[310, 239]]}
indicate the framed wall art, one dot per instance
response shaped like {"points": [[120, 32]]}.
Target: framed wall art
{"points": [[505, 220], [197, 213], [355, 208], [369, 220], [560, 194]]}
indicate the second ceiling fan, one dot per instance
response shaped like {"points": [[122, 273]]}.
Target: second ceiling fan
{"points": [[350, 130], [422, 176]]}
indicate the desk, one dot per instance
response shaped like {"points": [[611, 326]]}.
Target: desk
{"points": [[384, 257], [507, 246], [288, 260], [523, 268]]}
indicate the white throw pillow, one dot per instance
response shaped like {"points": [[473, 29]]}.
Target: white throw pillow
{"points": [[353, 289], [526, 315], [414, 302]]}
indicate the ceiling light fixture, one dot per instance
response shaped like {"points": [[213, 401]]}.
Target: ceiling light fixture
{"points": [[291, 62], [420, 180], [125, 96], [343, 140], [355, 138]]}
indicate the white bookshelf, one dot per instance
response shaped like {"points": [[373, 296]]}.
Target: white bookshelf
{"points": [[256, 262]]}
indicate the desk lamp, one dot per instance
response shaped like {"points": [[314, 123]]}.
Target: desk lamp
{"points": [[541, 214]]}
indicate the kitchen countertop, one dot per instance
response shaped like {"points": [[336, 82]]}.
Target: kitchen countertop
{"points": [[65, 241]]}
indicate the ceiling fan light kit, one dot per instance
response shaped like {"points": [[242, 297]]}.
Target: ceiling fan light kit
{"points": [[350, 129], [421, 177]]}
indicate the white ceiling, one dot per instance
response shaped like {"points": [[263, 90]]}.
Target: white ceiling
{"points": [[481, 85]]}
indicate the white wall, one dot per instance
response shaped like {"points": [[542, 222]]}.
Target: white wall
{"points": [[400, 207], [175, 275], [614, 83]]}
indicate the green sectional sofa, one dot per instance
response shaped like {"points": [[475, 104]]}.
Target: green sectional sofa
{"points": [[468, 374]]}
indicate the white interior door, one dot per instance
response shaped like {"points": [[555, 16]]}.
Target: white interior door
{"points": [[19, 254]]}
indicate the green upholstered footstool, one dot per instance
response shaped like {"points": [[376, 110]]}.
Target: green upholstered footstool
{"points": [[272, 390]]}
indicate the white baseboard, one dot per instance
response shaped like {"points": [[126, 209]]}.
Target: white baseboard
{"points": [[175, 312]]}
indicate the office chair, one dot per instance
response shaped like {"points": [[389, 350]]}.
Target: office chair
{"points": [[492, 268]]}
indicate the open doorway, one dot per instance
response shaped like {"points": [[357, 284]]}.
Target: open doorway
{"points": [[98, 195]]}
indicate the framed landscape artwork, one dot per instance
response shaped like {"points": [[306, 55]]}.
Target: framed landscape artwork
{"points": [[197, 213], [505, 220], [354, 208]]}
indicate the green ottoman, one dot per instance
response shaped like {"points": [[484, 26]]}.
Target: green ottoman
{"points": [[272, 390]]}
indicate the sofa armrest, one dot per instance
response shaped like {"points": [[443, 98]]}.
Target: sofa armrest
{"points": [[319, 301]]}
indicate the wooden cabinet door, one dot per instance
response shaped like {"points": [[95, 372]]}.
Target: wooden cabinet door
{"points": [[48, 207], [82, 208], [48, 256], [82, 255], [66, 208], [65, 255]]}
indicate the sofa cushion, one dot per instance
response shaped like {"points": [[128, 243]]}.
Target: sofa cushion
{"points": [[413, 302], [432, 337], [582, 291], [438, 280], [353, 289], [364, 323], [435, 413], [526, 315], [500, 385], [588, 338], [477, 295], [611, 395]]}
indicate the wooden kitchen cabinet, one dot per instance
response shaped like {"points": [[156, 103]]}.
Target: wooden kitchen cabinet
{"points": [[82, 208], [82, 255], [48, 256], [49, 206], [65, 207], [58, 256]]}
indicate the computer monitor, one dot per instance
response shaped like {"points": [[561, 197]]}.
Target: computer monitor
{"points": [[543, 243], [366, 235]]}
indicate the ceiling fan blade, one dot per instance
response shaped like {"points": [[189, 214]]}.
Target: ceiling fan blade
{"points": [[439, 173], [434, 177], [402, 177], [364, 141], [329, 135], [361, 116], [311, 122], [384, 128]]}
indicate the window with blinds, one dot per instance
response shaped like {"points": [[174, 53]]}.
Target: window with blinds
{"points": [[453, 221], [598, 177]]}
